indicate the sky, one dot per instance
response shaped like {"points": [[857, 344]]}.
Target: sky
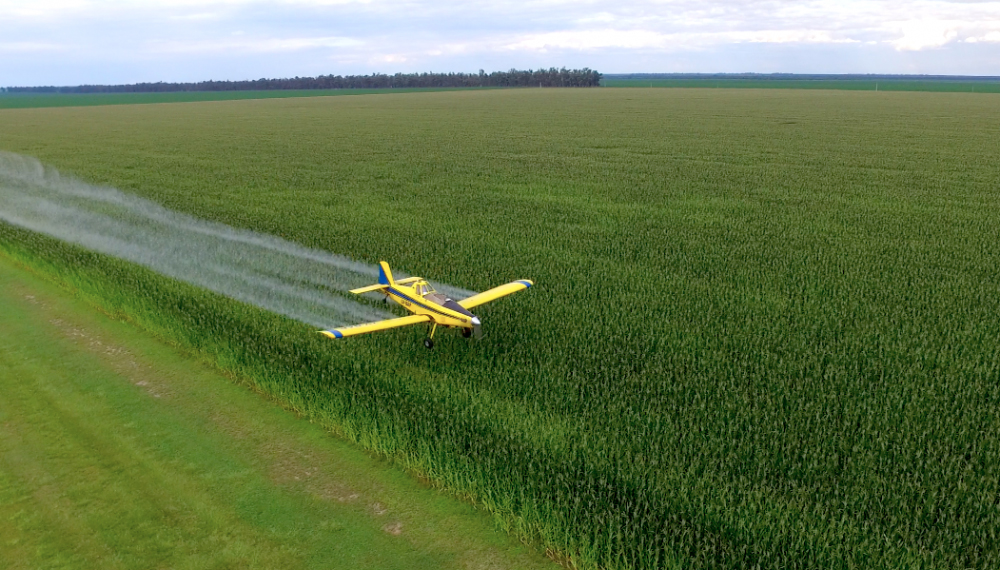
{"points": [[72, 42]]}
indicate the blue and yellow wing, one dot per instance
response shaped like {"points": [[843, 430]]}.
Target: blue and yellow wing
{"points": [[376, 326], [495, 293]]}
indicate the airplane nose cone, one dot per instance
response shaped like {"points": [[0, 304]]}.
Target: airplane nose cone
{"points": [[475, 321]]}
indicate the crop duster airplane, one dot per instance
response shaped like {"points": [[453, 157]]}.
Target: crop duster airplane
{"points": [[427, 306]]}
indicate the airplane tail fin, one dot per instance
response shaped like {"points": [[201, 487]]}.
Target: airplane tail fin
{"points": [[385, 281], [384, 274]]}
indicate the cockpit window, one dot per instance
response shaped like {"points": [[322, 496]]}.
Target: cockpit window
{"points": [[456, 307]]}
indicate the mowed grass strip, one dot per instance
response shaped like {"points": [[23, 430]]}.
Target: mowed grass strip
{"points": [[117, 452], [763, 333]]}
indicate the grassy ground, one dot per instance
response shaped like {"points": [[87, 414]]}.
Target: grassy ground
{"points": [[118, 452], [835, 84], [763, 332], [42, 100]]}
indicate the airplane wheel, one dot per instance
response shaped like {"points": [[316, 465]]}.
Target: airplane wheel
{"points": [[428, 343], [466, 333]]}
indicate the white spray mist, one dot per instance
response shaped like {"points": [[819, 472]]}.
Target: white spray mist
{"points": [[305, 284]]}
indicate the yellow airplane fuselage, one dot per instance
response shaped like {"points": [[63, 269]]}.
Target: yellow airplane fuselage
{"points": [[419, 299], [426, 306]]}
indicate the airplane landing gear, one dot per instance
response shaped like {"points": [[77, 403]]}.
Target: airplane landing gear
{"points": [[429, 341], [466, 333]]}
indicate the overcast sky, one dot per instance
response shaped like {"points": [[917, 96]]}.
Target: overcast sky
{"points": [[70, 42]]}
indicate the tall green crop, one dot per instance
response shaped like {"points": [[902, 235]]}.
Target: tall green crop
{"points": [[763, 333]]}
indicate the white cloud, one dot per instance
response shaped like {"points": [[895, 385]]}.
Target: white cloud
{"points": [[252, 45], [785, 37], [390, 58], [198, 16], [591, 39], [598, 18], [919, 35], [414, 35], [991, 37], [648, 39], [43, 10], [27, 47]]}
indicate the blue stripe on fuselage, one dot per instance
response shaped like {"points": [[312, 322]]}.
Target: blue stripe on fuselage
{"points": [[525, 283]]}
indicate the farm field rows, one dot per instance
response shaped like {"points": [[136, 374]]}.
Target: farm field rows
{"points": [[938, 86], [41, 100], [763, 331]]}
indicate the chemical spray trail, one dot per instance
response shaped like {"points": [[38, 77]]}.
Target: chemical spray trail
{"points": [[305, 284]]}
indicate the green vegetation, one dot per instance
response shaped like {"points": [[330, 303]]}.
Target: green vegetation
{"points": [[763, 333], [839, 84], [551, 77], [36, 100], [117, 452]]}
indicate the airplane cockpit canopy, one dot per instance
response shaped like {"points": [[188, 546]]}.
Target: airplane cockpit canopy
{"points": [[427, 292]]}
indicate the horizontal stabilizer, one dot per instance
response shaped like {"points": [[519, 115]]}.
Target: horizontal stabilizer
{"points": [[369, 289]]}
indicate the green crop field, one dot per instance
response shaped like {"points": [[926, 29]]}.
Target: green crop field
{"points": [[763, 333], [37, 100], [942, 86]]}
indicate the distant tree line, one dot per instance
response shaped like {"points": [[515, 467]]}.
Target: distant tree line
{"points": [[551, 77]]}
